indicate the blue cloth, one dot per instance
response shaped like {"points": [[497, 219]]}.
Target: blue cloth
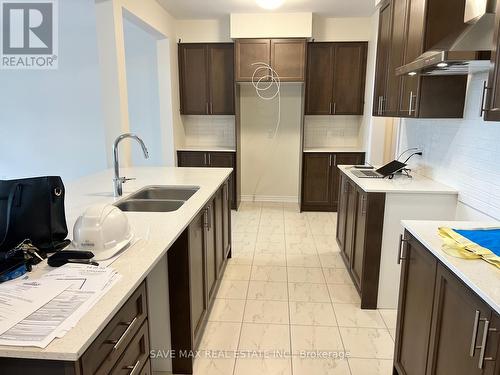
{"points": [[487, 238]]}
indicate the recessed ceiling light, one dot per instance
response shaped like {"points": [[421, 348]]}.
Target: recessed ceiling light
{"points": [[442, 65], [270, 4], [412, 73]]}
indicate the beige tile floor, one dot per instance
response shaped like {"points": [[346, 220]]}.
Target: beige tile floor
{"points": [[286, 291]]}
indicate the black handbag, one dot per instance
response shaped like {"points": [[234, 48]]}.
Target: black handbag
{"points": [[33, 208]]}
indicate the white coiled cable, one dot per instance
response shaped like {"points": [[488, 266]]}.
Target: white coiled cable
{"points": [[267, 87]]}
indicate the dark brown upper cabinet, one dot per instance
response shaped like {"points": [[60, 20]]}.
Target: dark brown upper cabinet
{"points": [[286, 56], [206, 78], [407, 28], [491, 90], [336, 75]]}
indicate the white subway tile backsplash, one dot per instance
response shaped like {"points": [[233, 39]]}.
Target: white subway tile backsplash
{"points": [[209, 131], [463, 153], [331, 131]]}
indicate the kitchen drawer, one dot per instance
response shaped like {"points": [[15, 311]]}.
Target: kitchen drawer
{"points": [[107, 348], [136, 355]]}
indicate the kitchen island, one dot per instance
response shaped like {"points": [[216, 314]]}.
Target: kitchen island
{"points": [[449, 308], [161, 235], [369, 226]]}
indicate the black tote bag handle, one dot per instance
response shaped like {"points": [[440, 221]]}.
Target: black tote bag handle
{"points": [[8, 214]]}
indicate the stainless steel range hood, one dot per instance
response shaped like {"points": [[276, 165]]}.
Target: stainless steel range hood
{"points": [[464, 52]]}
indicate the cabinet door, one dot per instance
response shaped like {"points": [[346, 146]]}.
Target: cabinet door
{"points": [[317, 179], [349, 73], [390, 105], [219, 232], [492, 102], [225, 160], [359, 238], [454, 327], [383, 48], [226, 218], [288, 59], [342, 212], [197, 274], [350, 225], [416, 296], [248, 52], [319, 85], [210, 249], [342, 159], [413, 48], [221, 78], [193, 79], [192, 159]]}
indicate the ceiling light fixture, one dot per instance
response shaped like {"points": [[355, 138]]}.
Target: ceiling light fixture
{"points": [[412, 74], [270, 4], [442, 65]]}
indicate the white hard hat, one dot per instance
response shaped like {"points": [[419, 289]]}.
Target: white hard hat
{"points": [[102, 229]]}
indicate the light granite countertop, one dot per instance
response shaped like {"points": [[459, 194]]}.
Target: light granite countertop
{"points": [[482, 277], [158, 231], [335, 149], [207, 149], [399, 184]]}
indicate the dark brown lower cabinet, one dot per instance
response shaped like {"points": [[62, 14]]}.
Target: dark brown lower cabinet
{"points": [[122, 345], [214, 159], [321, 178], [443, 326], [359, 235], [196, 263], [415, 309]]}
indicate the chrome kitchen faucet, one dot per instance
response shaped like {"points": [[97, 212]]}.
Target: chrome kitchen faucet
{"points": [[117, 180]]}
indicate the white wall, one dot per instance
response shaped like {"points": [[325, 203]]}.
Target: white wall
{"points": [[206, 31], [51, 121], [143, 93], [271, 25], [345, 29], [150, 15], [331, 131], [210, 131], [270, 167], [461, 153]]}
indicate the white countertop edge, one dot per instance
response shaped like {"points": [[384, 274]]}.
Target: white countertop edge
{"points": [[452, 263], [333, 150], [116, 297], [399, 185], [206, 149]]}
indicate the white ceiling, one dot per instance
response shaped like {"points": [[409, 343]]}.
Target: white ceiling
{"points": [[191, 9]]}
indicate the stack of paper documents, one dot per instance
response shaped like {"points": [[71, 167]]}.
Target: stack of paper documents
{"points": [[35, 312]]}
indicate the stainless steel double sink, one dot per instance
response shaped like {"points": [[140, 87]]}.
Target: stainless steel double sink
{"points": [[157, 199]]}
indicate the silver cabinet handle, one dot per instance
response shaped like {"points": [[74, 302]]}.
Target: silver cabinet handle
{"points": [[484, 342], [402, 241], [483, 106], [330, 160], [330, 111], [211, 108], [364, 201], [209, 159], [334, 108], [118, 342], [204, 158], [411, 103], [380, 105], [474, 333], [134, 369]]}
